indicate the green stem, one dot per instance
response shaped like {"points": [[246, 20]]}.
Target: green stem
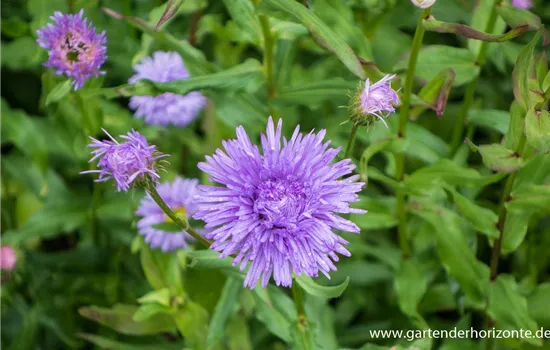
{"points": [[268, 55], [469, 94], [298, 295], [150, 188], [402, 131], [351, 140]]}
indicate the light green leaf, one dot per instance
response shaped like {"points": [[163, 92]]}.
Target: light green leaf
{"points": [[410, 286], [435, 93], [515, 229], [223, 311], [509, 308], [148, 310], [436, 58], [493, 119], [120, 319], [161, 296], [242, 12], [498, 158], [192, 321], [106, 343], [59, 91], [276, 310], [311, 287], [538, 304], [161, 270], [522, 71], [331, 39], [530, 198]]}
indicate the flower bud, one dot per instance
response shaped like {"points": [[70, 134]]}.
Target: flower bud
{"points": [[374, 101], [8, 258], [423, 4]]}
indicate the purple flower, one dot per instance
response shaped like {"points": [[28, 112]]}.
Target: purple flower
{"points": [[278, 209], [522, 4], [125, 162], [8, 258], [378, 99], [168, 108], [179, 196], [74, 47]]}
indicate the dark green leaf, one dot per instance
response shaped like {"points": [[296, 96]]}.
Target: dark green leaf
{"points": [[538, 304], [410, 285], [223, 311], [108, 344]]}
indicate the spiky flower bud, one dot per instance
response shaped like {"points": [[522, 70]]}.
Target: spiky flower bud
{"points": [[372, 102]]}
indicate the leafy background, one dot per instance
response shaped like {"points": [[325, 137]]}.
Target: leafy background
{"points": [[83, 279]]}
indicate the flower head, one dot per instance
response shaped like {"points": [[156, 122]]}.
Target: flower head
{"points": [[179, 196], [126, 162], [423, 4], [168, 108], [376, 100], [74, 47], [8, 258], [278, 208], [522, 4]]}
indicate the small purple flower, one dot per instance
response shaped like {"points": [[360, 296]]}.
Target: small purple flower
{"points": [[8, 258], [522, 4], [278, 209], [179, 196], [168, 108], [379, 99], [74, 47], [125, 162]]}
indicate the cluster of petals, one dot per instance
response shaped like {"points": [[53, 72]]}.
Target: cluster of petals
{"points": [[379, 98]]}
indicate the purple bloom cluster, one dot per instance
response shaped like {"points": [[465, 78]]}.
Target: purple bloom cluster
{"points": [[168, 108], [125, 162], [523, 4], [179, 196], [278, 209], [379, 99], [74, 47]]}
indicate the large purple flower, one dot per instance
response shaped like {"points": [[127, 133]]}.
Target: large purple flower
{"points": [[74, 47], [168, 108], [125, 162], [179, 196], [278, 210], [379, 98]]}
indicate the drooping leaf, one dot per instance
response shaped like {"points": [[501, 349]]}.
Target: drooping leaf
{"points": [[331, 39], [434, 25], [436, 93], [309, 285], [120, 319]]}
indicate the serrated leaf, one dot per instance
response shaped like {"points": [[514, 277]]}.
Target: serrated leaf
{"points": [[537, 130], [509, 308], [498, 158], [59, 91], [332, 40], [311, 287]]}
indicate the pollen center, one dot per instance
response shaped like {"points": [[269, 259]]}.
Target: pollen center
{"points": [[178, 211], [280, 202]]}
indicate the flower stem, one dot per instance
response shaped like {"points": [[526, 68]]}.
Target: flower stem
{"points": [[150, 188], [268, 55], [402, 130], [458, 130], [351, 140], [298, 296]]}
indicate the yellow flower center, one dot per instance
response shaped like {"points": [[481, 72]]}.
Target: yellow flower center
{"points": [[180, 211]]}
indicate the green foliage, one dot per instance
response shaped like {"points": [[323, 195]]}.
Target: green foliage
{"points": [[467, 242]]}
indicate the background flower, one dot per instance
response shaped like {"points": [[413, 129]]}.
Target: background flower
{"points": [[125, 162], [8, 258], [167, 108], [178, 194], [74, 47], [278, 209]]}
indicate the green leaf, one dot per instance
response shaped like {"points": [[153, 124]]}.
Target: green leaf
{"points": [[276, 310], [457, 257], [522, 71], [498, 158], [246, 76], [482, 219], [335, 90], [160, 296], [436, 58], [331, 39], [537, 130], [516, 128], [435, 93], [433, 25], [148, 310], [492, 119], [223, 311], [530, 198], [238, 333], [303, 336], [59, 91], [515, 230], [242, 12], [21, 53], [120, 319], [374, 220], [311, 287], [321, 314], [538, 304], [410, 286], [480, 22], [517, 17], [192, 321], [161, 270], [509, 308], [209, 259], [369, 152], [106, 343]]}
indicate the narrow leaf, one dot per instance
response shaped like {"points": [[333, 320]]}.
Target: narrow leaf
{"points": [[59, 91], [436, 93], [434, 25], [311, 287], [171, 9], [224, 308]]}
